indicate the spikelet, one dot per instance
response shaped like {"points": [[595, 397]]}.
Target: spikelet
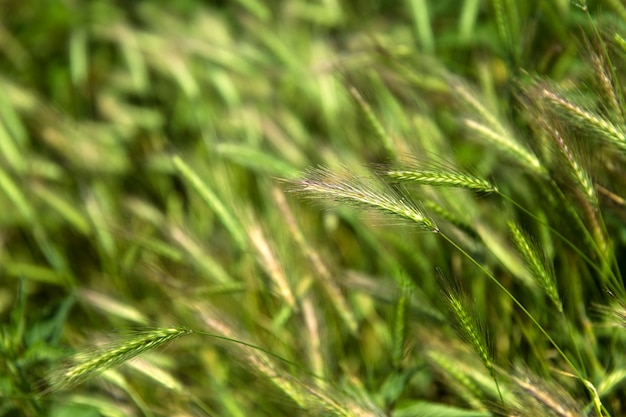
{"points": [[441, 178], [586, 118], [89, 364], [485, 124], [350, 189], [466, 322], [550, 397], [536, 264]]}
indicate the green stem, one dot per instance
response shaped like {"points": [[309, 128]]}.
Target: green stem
{"points": [[517, 303], [565, 240]]}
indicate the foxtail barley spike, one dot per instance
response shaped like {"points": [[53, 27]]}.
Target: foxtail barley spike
{"points": [[351, 189]]}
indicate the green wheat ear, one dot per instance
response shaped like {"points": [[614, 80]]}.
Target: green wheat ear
{"points": [[441, 178], [88, 364], [536, 264], [467, 323], [367, 192]]}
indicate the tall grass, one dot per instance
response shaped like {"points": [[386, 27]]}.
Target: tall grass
{"points": [[345, 208]]}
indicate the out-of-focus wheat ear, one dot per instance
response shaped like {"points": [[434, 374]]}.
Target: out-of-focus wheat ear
{"points": [[442, 178], [553, 399], [347, 188], [508, 25], [536, 264], [488, 126], [88, 364], [605, 78], [199, 256], [506, 143], [375, 124], [585, 118], [465, 387], [316, 260], [256, 359], [452, 218], [319, 398], [212, 200], [268, 260], [399, 325], [469, 98], [614, 314], [314, 349]]}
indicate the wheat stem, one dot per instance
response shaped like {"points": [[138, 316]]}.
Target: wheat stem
{"points": [[516, 302], [564, 239]]}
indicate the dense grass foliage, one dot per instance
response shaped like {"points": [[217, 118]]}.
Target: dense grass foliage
{"points": [[259, 207]]}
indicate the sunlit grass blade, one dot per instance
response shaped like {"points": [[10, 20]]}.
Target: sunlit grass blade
{"points": [[14, 193], [212, 200], [65, 208], [422, 24], [317, 263], [269, 262]]}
